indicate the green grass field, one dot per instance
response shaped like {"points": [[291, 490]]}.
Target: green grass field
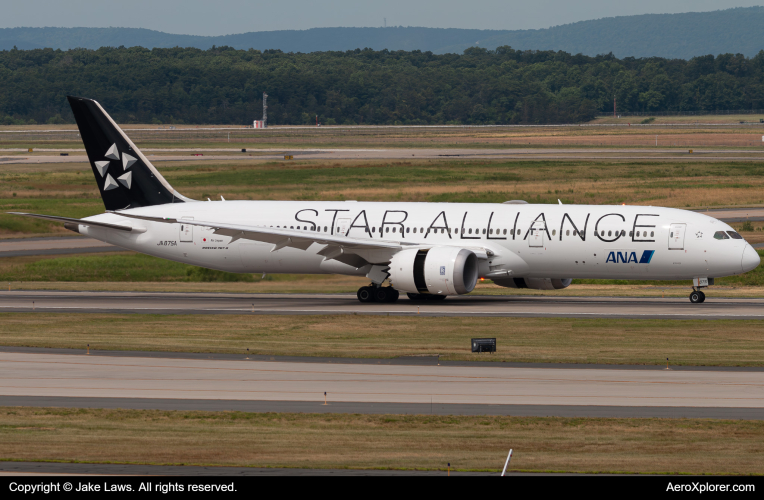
{"points": [[422, 442], [548, 340]]}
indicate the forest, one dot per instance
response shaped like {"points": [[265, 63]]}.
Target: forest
{"points": [[223, 85]]}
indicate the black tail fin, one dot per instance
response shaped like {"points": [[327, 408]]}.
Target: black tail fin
{"points": [[125, 177]]}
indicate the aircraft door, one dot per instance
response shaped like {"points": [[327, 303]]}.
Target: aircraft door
{"points": [[676, 236], [186, 231], [342, 226], [536, 236]]}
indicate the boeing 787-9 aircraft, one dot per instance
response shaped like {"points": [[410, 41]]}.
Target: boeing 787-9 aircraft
{"points": [[428, 250]]}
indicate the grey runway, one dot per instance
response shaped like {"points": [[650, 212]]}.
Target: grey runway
{"points": [[307, 304], [39, 379], [530, 153]]}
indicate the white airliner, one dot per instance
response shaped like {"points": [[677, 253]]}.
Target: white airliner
{"points": [[428, 250]]}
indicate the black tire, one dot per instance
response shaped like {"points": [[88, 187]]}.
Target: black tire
{"points": [[695, 297], [702, 296], [438, 297], [394, 295], [381, 294], [365, 294], [414, 296]]}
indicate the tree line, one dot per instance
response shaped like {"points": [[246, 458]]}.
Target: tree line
{"points": [[504, 86]]}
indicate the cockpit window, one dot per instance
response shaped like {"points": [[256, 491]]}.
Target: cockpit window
{"points": [[734, 235], [721, 235]]}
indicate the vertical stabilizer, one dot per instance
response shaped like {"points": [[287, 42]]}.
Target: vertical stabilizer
{"points": [[126, 179]]}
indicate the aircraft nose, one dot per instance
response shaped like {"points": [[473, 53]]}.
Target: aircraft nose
{"points": [[750, 258]]}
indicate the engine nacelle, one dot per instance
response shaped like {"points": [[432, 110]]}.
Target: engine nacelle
{"points": [[439, 270], [534, 283]]}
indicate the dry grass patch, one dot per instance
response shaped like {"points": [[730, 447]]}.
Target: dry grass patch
{"points": [[553, 340], [383, 441]]}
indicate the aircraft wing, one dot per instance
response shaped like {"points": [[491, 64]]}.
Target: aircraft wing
{"points": [[352, 251]]}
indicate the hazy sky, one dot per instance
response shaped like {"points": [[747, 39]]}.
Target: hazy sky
{"points": [[220, 17]]}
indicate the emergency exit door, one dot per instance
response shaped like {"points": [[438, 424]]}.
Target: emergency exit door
{"points": [[343, 225], [536, 235], [676, 236]]}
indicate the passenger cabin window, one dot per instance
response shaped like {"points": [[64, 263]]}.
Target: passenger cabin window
{"points": [[470, 230], [505, 231], [387, 229], [652, 233], [554, 232], [631, 233], [575, 233], [567, 233], [734, 235], [408, 230]]}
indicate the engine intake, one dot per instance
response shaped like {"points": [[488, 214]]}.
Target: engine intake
{"points": [[535, 283], [439, 270]]}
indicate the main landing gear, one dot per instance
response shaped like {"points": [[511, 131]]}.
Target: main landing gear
{"points": [[697, 297], [377, 294]]}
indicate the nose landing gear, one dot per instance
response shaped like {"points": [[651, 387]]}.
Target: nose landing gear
{"points": [[697, 297]]}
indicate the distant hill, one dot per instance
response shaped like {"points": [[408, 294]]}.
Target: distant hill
{"points": [[738, 30]]}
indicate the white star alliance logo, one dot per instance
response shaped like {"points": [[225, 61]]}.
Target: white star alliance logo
{"points": [[125, 179]]}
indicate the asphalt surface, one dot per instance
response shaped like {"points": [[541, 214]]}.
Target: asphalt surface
{"points": [[530, 153], [80, 380], [311, 304]]}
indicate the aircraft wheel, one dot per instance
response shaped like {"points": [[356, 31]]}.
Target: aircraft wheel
{"points": [[702, 296], [382, 294], [696, 297], [438, 297], [414, 296], [365, 294], [394, 294]]}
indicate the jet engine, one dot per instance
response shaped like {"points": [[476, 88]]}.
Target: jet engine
{"points": [[438, 270], [534, 283]]}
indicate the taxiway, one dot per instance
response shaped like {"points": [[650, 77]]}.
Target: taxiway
{"points": [[311, 304], [181, 383]]}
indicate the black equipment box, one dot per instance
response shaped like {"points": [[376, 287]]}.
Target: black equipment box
{"points": [[483, 345]]}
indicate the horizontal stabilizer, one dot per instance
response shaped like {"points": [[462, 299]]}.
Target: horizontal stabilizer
{"points": [[82, 222]]}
